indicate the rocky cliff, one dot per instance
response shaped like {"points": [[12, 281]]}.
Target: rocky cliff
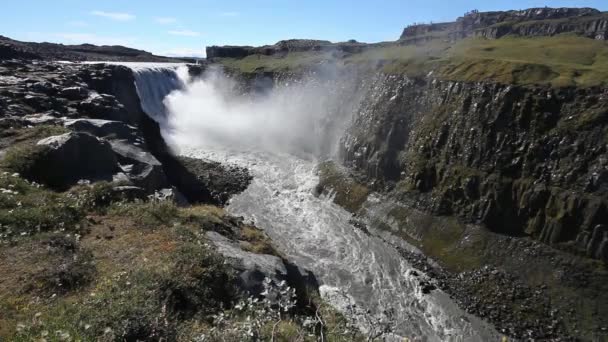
{"points": [[586, 22], [522, 161]]}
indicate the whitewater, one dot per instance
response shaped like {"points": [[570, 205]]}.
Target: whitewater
{"points": [[280, 134]]}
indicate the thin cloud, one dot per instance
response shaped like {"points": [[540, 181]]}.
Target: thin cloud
{"points": [[114, 15], [77, 23], [185, 33], [230, 14], [165, 20]]}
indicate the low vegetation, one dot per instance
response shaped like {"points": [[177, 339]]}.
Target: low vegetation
{"points": [[292, 62], [562, 60], [90, 264]]}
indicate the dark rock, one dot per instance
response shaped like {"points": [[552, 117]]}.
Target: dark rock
{"points": [[252, 268], [74, 93], [142, 168], [103, 106], [461, 148], [46, 88], [222, 181], [71, 157], [104, 129]]}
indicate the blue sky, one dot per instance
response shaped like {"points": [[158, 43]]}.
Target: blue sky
{"points": [[185, 27]]}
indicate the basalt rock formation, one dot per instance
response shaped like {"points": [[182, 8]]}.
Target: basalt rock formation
{"points": [[522, 161], [586, 22]]}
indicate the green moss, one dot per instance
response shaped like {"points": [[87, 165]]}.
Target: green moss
{"points": [[22, 158], [440, 238], [257, 241], [349, 194]]}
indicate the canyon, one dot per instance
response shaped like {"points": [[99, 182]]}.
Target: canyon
{"points": [[442, 187]]}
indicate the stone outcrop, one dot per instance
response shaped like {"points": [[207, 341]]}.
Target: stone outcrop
{"points": [[586, 22], [522, 161], [254, 269], [71, 157], [105, 129], [140, 166]]}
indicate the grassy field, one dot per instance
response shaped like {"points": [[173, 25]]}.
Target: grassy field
{"points": [[563, 60]]}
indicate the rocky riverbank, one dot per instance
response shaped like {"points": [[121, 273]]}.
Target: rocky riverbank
{"points": [[106, 234]]}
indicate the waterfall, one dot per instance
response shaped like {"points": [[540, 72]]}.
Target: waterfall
{"points": [[154, 82], [361, 275]]}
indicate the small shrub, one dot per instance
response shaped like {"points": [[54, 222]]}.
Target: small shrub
{"points": [[260, 243], [27, 208], [23, 159], [73, 268], [199, 282]]}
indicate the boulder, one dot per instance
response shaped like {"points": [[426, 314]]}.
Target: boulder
{"points": [[252, 268], [46, 88], [142, 168], [104, 128], [38, 102], [103, 106], [71, 157], [74, 93]]}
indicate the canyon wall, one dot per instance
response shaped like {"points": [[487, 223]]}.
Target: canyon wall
{"points": [[521, 161]]}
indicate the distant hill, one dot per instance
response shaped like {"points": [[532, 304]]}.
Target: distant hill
{"points": [[10, 48]]}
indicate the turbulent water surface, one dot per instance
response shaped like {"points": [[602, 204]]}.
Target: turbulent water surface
{"points": [[361, 275]]}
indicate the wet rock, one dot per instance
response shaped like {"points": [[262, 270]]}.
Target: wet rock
{"points": [[596, 245], [221, 180]]}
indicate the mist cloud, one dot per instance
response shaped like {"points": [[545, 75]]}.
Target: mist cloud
{"points": [[288, 117]]}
